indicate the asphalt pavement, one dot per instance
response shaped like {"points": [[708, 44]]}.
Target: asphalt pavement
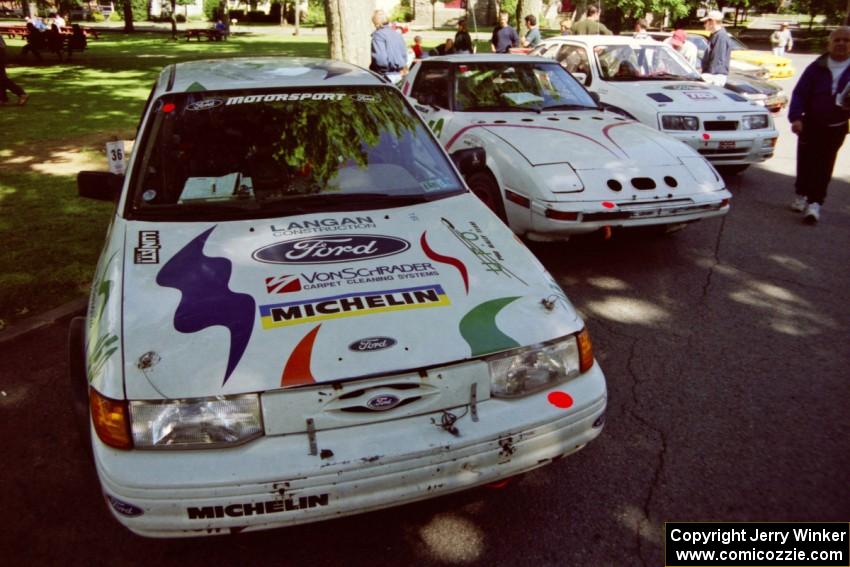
{"points": [[725, 347]]}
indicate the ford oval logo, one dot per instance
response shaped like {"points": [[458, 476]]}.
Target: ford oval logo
{"points": [[383, 402], [206, 104], [372, 343], [124, 508], [331, 249]]}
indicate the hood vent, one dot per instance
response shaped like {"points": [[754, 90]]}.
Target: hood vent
{"points": [[659, 97]]}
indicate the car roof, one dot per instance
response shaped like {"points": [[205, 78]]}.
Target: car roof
{"points": [[600, 40], [489, 58], [262, 72]]}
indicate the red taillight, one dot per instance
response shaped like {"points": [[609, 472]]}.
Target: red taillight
{"points": [[111, 420], [561, 215], [585, 351], [724, 203], [517, 198]]}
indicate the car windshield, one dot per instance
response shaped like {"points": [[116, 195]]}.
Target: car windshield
{"points": [[487, 87], [274, 152], [642, 63]]}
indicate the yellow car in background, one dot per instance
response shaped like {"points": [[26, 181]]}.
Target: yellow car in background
{"points": [[779, 67]]}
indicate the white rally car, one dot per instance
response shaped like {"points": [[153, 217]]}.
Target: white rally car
{"points": [[651, 82], [301, 312], [557, 164]]}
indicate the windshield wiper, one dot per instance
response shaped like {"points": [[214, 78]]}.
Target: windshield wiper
{"points": [[668, 77], [569, 107], [503, 108]]}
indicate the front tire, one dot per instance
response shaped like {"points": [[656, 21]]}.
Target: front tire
{"points": [[725, 170], [484, 185]]}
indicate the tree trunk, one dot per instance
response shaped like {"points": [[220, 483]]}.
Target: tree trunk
{"points": [[349, 26], [128, 16], [173, 19], [433, 14], [297, 18], [523, 9]]}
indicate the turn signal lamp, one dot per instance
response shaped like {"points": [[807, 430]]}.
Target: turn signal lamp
{"points": [[585, 351], [111, 420]]}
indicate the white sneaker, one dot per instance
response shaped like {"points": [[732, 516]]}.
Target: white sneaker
{"points": [[799, 204], [812, 213]]}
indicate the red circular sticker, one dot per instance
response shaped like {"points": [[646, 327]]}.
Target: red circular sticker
{"points": [[168, 107], [560, 399], [608, 204], [706, 136]]}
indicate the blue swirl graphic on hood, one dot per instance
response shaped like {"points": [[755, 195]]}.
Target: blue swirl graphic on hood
{"points": [[207, 301]]}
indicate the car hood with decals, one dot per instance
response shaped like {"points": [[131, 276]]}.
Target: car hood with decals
{"points": [[301, 312], [677, 96], [286, 303]]}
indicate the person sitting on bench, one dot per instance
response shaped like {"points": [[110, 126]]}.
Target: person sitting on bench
{"points": [[77, 41]]}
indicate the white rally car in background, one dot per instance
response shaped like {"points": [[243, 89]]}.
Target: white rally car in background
{"points": [[651, 82], [301, 312], [557, 164]]}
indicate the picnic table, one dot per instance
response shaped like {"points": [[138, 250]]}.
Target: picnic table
{"points": [[211, 34], [18, 31]]}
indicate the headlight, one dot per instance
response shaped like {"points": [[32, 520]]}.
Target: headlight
{"points": [[195, 423], [524, 371], [754, 121], [679, 122]]}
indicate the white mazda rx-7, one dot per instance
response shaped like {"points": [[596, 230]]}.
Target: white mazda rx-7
{"points": [[558, 164]]}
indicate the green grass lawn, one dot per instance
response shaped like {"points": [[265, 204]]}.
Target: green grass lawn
{"points": [[52, 238]]}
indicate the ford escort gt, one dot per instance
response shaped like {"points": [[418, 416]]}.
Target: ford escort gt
{"points": [[652, 83], [301, 312], [557, 165]]}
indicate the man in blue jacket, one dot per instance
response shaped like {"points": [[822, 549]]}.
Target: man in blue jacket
{"points": [[504, 36], [819, 111], [389, 53], [715, 62]]}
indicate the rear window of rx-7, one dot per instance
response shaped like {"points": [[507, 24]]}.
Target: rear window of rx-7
{"points": [[265, 153]]}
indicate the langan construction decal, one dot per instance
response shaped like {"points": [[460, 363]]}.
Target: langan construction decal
{"points": [[352, 305]]}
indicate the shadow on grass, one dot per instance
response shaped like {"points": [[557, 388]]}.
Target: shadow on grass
{"points": [[53, 237]]}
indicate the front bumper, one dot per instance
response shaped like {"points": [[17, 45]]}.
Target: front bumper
{"points": [[274, 481], [731, 147]]}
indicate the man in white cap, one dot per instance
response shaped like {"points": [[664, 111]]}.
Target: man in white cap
{"points": [[715, 62]]}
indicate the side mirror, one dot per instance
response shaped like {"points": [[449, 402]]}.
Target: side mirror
{"points": [[595, 97], [470, 160], [580, 77], [100, 185]]}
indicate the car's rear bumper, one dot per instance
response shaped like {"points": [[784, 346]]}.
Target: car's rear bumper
{"points": [[275, 481]]}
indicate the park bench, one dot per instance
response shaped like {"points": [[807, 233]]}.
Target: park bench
{"points": [[209, 33], [21, 32]]}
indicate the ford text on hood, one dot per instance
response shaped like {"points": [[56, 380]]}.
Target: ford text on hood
{"points": [[301, 313]]}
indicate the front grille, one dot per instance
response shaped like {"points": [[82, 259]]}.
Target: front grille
{"points": [[719, 125]]}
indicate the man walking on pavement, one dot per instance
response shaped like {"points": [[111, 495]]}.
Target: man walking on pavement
{"points": [[504, 36], [715, 62], [819, 111], [389, 53]]}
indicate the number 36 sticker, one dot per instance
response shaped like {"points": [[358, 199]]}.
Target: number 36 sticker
{"points": [[115, 156]]}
